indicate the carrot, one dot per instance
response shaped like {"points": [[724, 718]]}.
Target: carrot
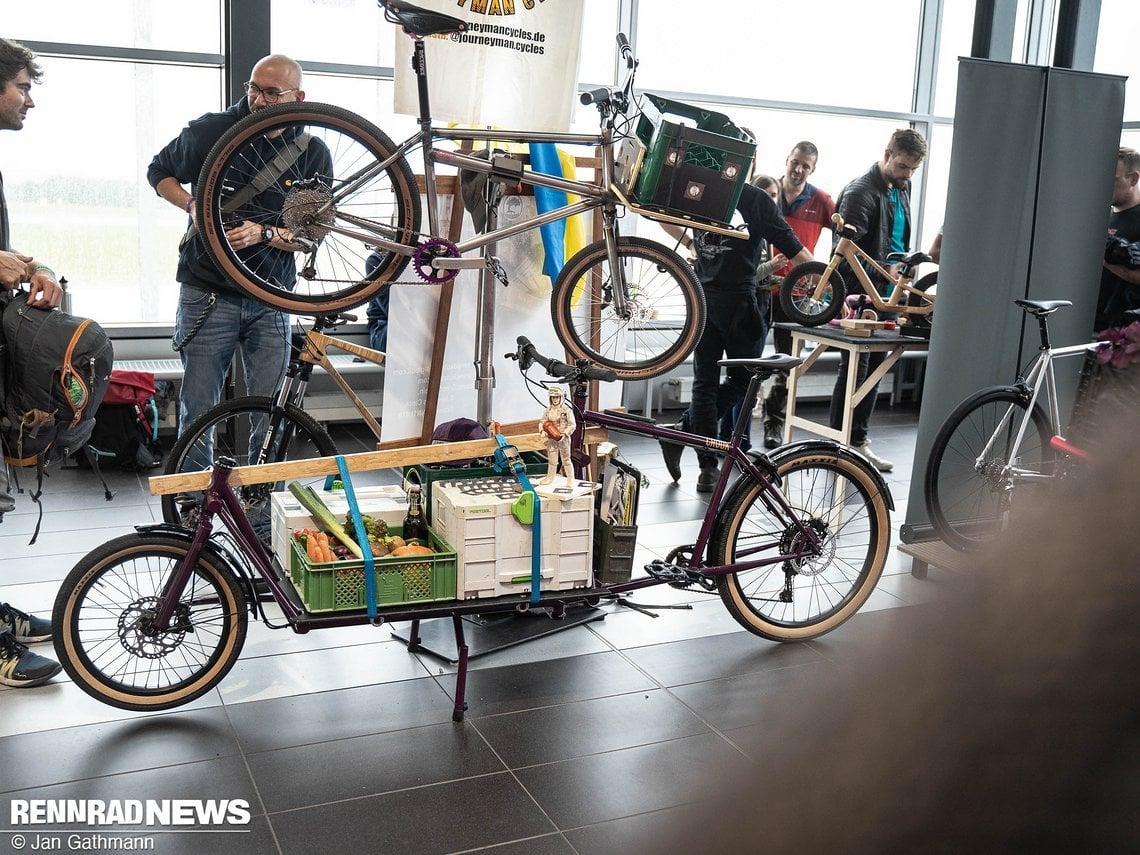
{"points": [[323, 547]]}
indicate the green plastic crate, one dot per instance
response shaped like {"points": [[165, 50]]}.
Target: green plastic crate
{"points": [[695, 171], [335, 586]]}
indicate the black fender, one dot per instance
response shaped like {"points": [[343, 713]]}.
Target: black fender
{"points": [[828, 447], [839, 450]]}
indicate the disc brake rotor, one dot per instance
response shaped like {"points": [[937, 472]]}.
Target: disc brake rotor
{"points": [[794, 540], [138, 634]]}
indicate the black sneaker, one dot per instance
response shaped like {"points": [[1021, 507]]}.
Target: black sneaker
{"points": [[672, 454], [773, 435], [706, 481], [19, 667], [26, 628]]}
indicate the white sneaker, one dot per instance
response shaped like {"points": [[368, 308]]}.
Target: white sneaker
{"points": [[878, 462]]}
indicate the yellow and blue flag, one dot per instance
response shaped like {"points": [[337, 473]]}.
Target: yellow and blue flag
{"points": [[562, 238]]}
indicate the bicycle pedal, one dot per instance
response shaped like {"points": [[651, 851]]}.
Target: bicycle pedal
{"points": [[678, 577], [500, 272], [666, 572]]}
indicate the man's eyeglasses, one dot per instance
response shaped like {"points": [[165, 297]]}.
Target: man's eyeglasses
{"points": [[269, 96]]}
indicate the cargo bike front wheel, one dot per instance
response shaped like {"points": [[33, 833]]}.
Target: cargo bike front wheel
{"points": [[107, 637]]}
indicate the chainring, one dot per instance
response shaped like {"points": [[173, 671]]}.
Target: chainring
{"points": [[432, 249]]}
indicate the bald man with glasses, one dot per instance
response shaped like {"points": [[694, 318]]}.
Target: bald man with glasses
{"points": [[215, 320]]}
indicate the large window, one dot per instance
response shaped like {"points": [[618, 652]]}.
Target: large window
{"points": [[75, 178], [826, 52], [122, 77], [1116, 51], [189, 25]]}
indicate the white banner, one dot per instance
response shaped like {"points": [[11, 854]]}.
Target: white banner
{"points": [[523, 308], [515, 67]]}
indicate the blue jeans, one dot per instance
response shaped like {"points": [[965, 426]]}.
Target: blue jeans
{"points": [[236, 324], [736, 326]]}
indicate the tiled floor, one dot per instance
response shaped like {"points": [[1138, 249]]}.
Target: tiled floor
{"points": [[342, 741]]}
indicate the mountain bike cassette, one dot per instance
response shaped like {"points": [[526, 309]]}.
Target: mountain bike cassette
{"points": [[308, 209], [794, 540], [138, 634], [432, 249]]}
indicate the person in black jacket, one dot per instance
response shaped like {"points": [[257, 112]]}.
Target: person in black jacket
{"points": [[215, 320], [1120, 279], [877, 205], [736, 324]]}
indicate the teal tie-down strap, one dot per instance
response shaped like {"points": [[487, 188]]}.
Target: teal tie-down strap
{"points": [[361, 537], [507, 458]]}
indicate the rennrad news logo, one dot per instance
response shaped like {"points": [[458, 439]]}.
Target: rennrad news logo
{"points": [[151, 812]]}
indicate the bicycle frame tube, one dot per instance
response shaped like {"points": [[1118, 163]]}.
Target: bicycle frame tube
{"points": [[900, 285], [735, 458], [1040, 375], [832, 264], [1054, 404], [220, 500]]}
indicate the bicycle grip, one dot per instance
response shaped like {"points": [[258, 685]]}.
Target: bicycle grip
{"points": [[596, 372], [528, 354], [625, 50], [593, 96]]}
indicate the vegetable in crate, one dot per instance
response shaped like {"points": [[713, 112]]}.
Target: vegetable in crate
{"points": [[312, 503]]}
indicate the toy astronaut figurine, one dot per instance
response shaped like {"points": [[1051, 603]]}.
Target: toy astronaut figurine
{"points": [[557, 426]]}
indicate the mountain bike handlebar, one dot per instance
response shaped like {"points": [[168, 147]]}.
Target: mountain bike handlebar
{"points": [[527, 355]]}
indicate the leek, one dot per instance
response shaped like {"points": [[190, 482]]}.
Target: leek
{"points": [[312, 503]]}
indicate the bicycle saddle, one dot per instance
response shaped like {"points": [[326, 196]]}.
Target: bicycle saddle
{"points": [[765, 364], [420, 22], [1042, 307], [909, 259]]}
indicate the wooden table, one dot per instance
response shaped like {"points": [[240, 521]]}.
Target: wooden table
{"points": [[825, 337]]}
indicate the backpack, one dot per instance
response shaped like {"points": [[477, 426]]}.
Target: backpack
{"points": [[126, 425], [55, 369]]}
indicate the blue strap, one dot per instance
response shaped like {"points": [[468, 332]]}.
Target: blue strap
{"points": [[507, 457], [361, 537]]}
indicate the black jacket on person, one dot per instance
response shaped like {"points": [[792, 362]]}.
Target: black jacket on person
{"points": [[865, 203], [182, 158]]}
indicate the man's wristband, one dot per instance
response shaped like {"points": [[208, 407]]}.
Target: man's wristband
{"points": [[37, 268], [189, 204]]}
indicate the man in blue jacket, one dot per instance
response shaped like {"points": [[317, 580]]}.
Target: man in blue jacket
{"points": [[215, 320]]}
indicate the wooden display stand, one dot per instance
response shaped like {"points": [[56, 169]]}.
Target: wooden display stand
{"points": [[484, 379], [825, 337]]}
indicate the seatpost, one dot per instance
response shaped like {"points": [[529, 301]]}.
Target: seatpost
{"points": [[747, 403], [419, 66], [1043, 324]]}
